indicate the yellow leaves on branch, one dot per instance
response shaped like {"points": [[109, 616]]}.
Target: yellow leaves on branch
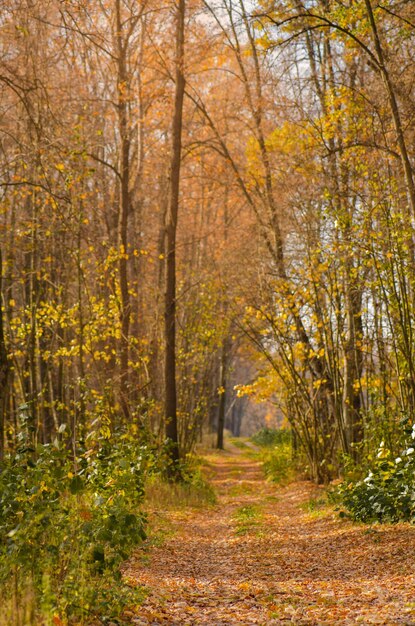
{"points": [[262, 389]]}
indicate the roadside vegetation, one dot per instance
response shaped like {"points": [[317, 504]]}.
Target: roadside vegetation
{"points": [[192, 491], [385, 492], [70, 517], [276, 453], [381, 491]]}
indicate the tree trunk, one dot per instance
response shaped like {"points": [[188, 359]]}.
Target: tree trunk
{"points": [[125, 314], [222, 397], [4, 369], [171, 229]]}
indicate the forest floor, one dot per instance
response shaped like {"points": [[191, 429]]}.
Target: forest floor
{"points": [[267, 554]]}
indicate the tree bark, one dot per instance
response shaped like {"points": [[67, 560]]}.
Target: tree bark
{"points": [[125, 313], [4, 368], [222, 398], [171, 230]]}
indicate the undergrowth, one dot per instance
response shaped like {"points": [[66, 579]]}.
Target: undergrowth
{"points": [[66, 525], [192, 491], [387, 493], [275, 453], [271, 437]]}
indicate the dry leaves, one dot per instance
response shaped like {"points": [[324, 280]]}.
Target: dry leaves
{"points": [[291, 566]]}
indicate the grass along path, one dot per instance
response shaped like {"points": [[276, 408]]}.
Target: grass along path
{"points": [[262, 555]]}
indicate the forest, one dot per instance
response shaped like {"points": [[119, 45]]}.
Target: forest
{"points": [[207, 282]]}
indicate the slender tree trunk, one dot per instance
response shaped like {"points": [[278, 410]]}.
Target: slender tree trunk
{"points": [[223, 395], [4, 368], [224, 363], [171, 229], [125, 315], [352, 372]]}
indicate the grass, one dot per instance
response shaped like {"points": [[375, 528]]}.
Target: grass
{"points": [[164, 495], [238, 443], [247, 518], [18, 614], [171, 496], [316, 507], [26, 611], [193, 491]]}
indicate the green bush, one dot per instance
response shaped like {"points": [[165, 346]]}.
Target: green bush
{"points": [[276, 453], [387, 493], [278, 463], [66, 526], [267, 437]]}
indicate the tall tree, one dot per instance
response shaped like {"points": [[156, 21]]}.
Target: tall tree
{"points": [[4, 365], [170, 413]]}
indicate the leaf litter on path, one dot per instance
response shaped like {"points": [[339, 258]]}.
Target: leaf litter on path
{"points": [[260, 557]]}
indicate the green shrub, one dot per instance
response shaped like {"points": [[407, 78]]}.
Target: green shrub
{"points": [[387, 493], [66, 526], [276, 453], [278, 463], [267, 437]]}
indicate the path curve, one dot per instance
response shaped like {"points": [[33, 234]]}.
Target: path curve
{"points": [[260, 556]]}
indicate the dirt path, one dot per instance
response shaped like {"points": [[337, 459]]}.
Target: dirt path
{"points": [[261, 556]]}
